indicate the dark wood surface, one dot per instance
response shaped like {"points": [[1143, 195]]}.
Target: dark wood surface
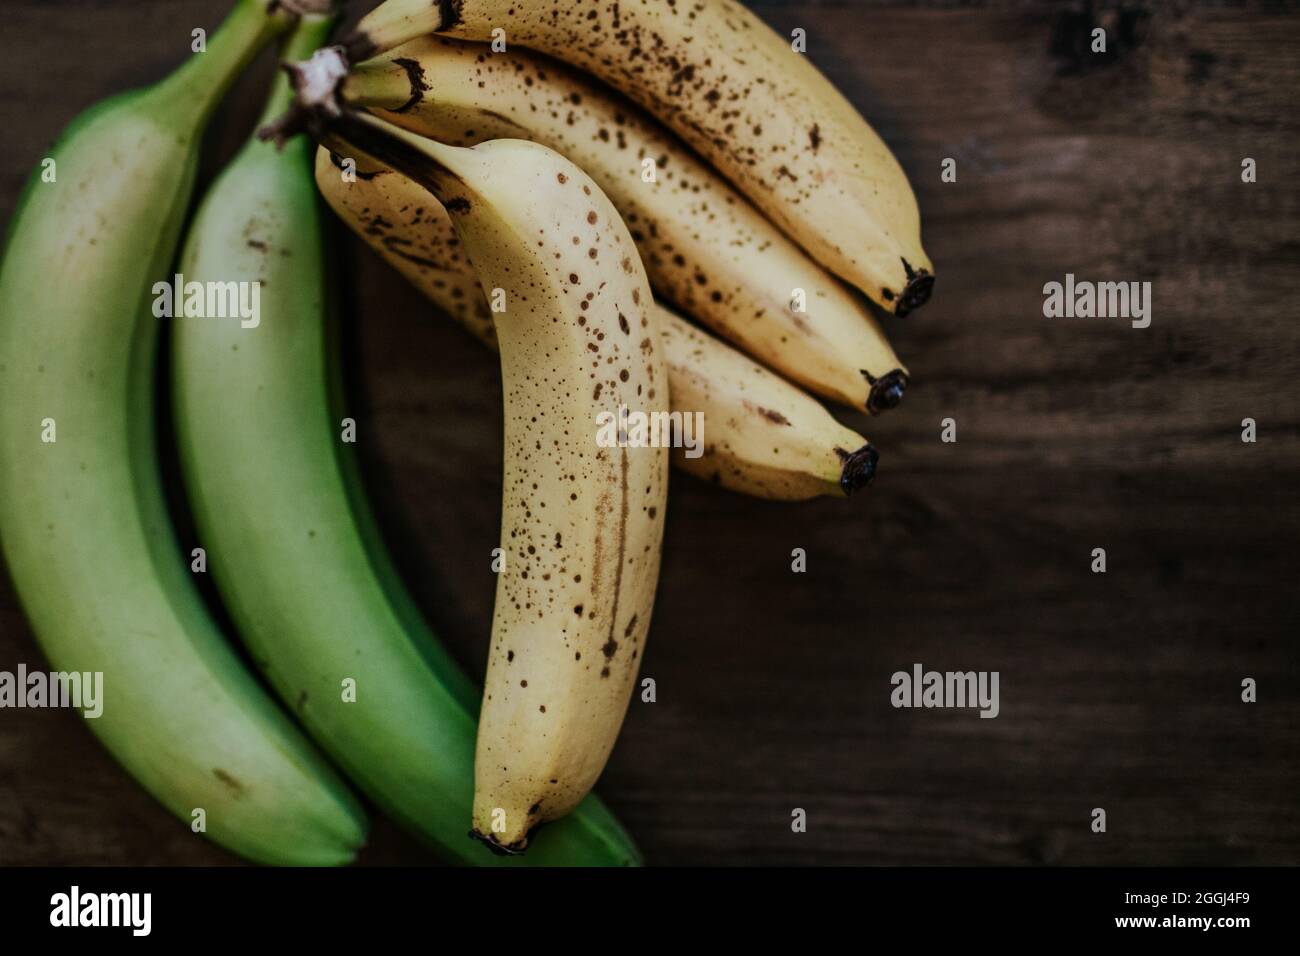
{"points": [[1118, 690]]}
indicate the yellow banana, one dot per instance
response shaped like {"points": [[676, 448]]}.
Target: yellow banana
{"points": [[762, 435], [705, 247], [582, 503], [740, 95]]}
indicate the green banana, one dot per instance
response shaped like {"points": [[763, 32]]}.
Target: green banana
{"points": [[83, 523], [292, 545]]}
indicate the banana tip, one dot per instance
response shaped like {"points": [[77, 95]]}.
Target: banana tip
{"points": [[920, 283], [859, 467], [886, 391], [490, 841]]}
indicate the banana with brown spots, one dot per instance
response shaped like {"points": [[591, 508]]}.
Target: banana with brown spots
{"points": [[762, 435], [582, 517], [739, 94], [705, 247]]}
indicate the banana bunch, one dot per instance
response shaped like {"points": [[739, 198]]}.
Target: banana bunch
{"points": [[542, 204], [443, 140], [766, 437], [705, 247], [83, 523]]}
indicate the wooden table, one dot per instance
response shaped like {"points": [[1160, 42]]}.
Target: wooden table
{"points": [[1118, 690]]}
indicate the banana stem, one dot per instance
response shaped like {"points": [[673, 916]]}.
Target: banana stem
{"points": [[315, 83], [384, 84], [309, 35], [193, 91]]}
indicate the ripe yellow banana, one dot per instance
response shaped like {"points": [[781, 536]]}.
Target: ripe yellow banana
{"points": [[766, 438], [740, 95], [763, 436], [582, 505], [705, 247]]}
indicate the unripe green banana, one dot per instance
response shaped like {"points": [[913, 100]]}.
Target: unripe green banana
{"points": [[296, 555], [582, 502], [745, 98], [85, 531]]}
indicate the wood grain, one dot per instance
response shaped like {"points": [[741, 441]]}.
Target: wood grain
{"points": [[1118, 691]]}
